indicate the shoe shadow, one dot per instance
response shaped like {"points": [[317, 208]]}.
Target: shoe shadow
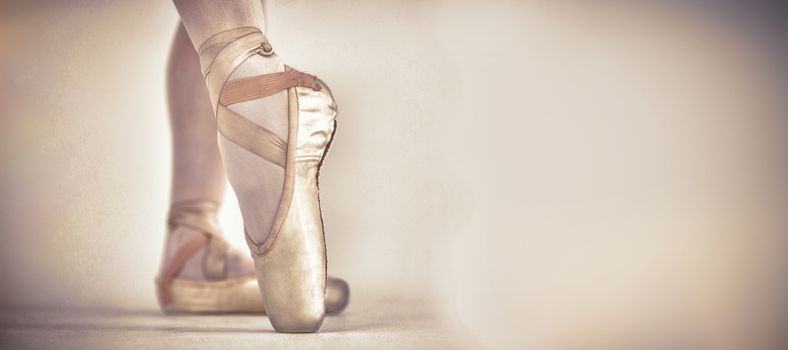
{"points": [[81, 320], [128, 321], [130, 328]]}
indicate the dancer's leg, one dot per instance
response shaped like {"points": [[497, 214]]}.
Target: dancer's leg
{"points": [[197, 174], [257, 182]]}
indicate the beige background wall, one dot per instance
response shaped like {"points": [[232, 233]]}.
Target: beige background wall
{"points": [[539, 173]]}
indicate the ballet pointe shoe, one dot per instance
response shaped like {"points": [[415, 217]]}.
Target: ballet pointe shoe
{"points": [[291, 262], [217, 293]]}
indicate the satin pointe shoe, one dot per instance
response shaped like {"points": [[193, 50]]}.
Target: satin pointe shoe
{"points": [[291, 262], [217, 293]]}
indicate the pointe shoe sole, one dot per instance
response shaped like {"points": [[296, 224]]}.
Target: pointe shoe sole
{"points": [[238, 296]]}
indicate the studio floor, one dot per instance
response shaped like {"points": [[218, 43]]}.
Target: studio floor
{"points": [[371, 324]]}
